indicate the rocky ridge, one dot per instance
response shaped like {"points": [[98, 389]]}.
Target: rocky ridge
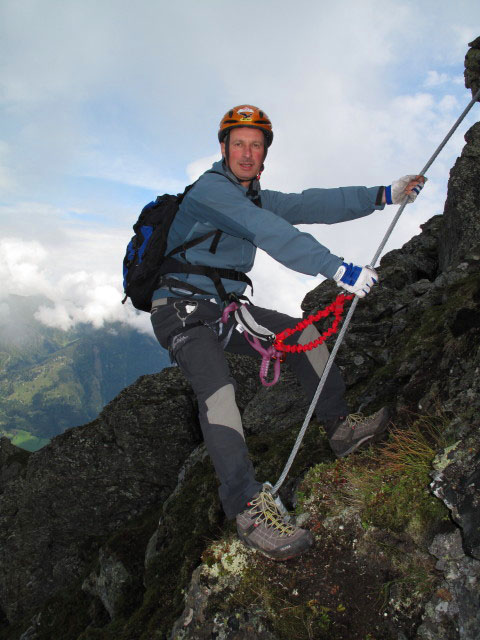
{"points": [[114, 529]]}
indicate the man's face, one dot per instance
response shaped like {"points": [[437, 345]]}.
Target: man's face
{"points": [[246, 153]]}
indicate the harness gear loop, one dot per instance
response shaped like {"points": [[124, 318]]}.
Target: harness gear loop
{"points": [[253, 333], [268, 354]]}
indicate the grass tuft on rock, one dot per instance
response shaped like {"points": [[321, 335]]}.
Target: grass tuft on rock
{"points": [[388, 485]]}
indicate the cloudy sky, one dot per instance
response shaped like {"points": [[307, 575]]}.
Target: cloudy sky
{"points": [[107, 103]]}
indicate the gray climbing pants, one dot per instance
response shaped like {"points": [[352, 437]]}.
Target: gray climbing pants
{"points": [[189, 330]]}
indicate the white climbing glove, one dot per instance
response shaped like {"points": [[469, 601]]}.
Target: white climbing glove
{"points": [[354, 279], [406, 186]]}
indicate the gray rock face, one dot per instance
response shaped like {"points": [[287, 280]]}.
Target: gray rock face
{"points": [[195, 622], [108, 583], [460, 237], [414, 340], [472, 66], [457, 483], [415, 346], [454, 612], [276, 408], [57, 504], [88, 482], [12, 462]]}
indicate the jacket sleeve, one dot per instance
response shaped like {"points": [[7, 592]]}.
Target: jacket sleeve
{"points": [[326, 206], [216, 201]]}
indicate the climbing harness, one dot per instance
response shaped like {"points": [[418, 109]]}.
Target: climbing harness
{"points": [[351, 311], [276, 350], [253, 333]]}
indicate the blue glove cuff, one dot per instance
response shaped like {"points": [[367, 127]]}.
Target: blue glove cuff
{"points": [[388, 194], [351, 274]]}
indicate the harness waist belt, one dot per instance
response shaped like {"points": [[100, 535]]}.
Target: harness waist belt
{"points": [[172, 266]]}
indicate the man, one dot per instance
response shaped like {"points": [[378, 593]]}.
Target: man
{"points": [[221, 221]]}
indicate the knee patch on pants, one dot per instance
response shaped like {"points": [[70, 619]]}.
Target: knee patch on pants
{"points": [[317, 357], [222, 409]]}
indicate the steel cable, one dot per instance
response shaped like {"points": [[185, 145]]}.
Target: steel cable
{"points": [[351, 311]]}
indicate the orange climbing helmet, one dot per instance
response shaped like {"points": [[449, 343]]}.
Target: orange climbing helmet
{"points": [[246, 115]]}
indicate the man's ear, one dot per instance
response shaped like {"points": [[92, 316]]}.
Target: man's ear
{"points": [[222, 147]]}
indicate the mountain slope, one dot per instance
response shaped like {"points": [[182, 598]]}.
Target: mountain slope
{"points": [[51, 379]]}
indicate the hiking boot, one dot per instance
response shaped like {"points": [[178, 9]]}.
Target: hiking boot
{"points": [[356, 431], [262, 526]]}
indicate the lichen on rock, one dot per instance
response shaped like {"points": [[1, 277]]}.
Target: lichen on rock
{"points": [[457, 484], [454, 610], [108, 582]]}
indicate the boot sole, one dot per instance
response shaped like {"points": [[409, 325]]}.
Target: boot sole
{"points": [[273, 556], [357, 445]]}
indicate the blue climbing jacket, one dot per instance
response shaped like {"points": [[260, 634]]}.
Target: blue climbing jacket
{"points": [[221, 202]]}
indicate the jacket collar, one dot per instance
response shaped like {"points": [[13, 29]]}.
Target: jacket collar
{"points": [[221, 167]]}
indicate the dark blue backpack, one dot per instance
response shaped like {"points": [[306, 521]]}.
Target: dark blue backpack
{"points": [[146, 261], [146, 250]]}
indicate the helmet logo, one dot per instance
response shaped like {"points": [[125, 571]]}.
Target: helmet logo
{"points": [[246, 114]]}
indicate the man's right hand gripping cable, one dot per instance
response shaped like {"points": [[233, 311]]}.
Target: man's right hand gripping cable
{"points": [[354, 279]]}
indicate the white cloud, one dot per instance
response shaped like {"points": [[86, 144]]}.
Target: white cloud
{"points": [[195, 169], [276, 287], [125, 169], [21, 267], [92, 89], [465, 31], [434, 79], [86, 296]]}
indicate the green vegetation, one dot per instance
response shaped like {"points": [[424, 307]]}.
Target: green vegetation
{"points": [[392, 488], [387, 485], [51, 380], [25, 440], [288, 612]]}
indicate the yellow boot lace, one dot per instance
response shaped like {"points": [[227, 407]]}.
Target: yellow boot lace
{"points": [[266, 510]]}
